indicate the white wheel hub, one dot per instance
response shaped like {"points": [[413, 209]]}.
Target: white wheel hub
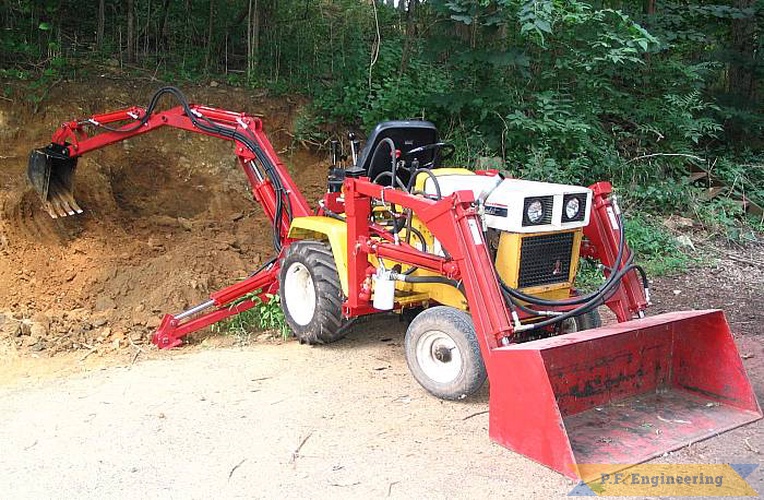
{"points": [[438, 356], [299, 294]]}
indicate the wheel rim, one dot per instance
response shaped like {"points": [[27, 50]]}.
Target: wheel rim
{"points": [[569, 326], [300, 294], [439, 357]]}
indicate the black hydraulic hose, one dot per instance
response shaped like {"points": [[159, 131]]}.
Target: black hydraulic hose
{"points": [[603, 293], [233, 134], [381, 175], [430, 279], [582, 309], [419, 235], [268, 263], [643, 275], [432, 176], [593, 303], [518, 295], [588, 302], [333, 215], [411, 230], [440, 280], [390, 144]]}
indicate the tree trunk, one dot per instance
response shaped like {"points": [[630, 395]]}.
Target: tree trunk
{"points": [[130, 31], [410, 34], [146, 33], [210, 24], [253, 37], [741, 81], [101, 23], [164, 33]]}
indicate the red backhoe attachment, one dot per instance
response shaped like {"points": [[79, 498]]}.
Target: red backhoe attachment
{"points": [[619, 394]]}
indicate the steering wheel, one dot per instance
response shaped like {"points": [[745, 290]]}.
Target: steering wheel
{"points": [[444, 150]]}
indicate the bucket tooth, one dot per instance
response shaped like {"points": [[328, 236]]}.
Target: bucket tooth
{"points": [[65, 205], [72, 203], [61, 199], [51, 211], [57, 207]]}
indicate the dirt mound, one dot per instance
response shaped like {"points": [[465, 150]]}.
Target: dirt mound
{"points": [[169, 218]]}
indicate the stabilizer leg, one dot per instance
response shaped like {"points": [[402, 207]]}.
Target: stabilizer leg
{"points": [[227, 302]]}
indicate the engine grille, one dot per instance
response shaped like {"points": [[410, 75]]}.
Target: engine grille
{"points": [[545, 259]]}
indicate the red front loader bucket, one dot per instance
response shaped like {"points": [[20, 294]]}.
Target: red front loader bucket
{"points": [[619, 394]]}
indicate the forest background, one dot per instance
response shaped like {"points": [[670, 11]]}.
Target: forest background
{"points": [[663, 98]]}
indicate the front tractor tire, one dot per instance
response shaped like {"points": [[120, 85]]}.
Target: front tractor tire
{"points": [[310, 293], [443, 353], [586, 321]]}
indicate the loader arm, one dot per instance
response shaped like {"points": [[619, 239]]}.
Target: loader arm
{"points": [[631, 298]]}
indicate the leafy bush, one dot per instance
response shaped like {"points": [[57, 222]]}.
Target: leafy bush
{"points": [[571, 91], [263, 317], [654, 247]]}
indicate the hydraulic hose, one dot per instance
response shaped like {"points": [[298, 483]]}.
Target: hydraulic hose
{"points": [[586, 307], [390, 144], [588, 302], [398, 181], [412, 180], [427, 279], [516, 294], [205, 124]]}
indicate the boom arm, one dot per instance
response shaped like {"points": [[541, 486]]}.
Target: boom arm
{"points": [[631, 297], [271, 183]]}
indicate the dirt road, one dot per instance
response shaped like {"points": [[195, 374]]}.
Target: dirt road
{"points": [[274, 421], [266, 421]]}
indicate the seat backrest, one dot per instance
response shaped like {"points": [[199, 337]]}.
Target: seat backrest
{"points": [[406, 135]]}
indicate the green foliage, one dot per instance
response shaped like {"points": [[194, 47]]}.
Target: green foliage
{"points": [[654, 247], [271, 316], [265, 316], [745, 175], [662, 196], [589, 277], [306, 128], [387, 93], [571, 91]]}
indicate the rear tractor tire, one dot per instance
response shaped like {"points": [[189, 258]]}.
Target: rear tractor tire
{"points": [[311, 297], [443, 353]]}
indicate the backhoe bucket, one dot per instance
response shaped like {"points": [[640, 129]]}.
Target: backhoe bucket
{"points": [[51, 173], [600, 400]]}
